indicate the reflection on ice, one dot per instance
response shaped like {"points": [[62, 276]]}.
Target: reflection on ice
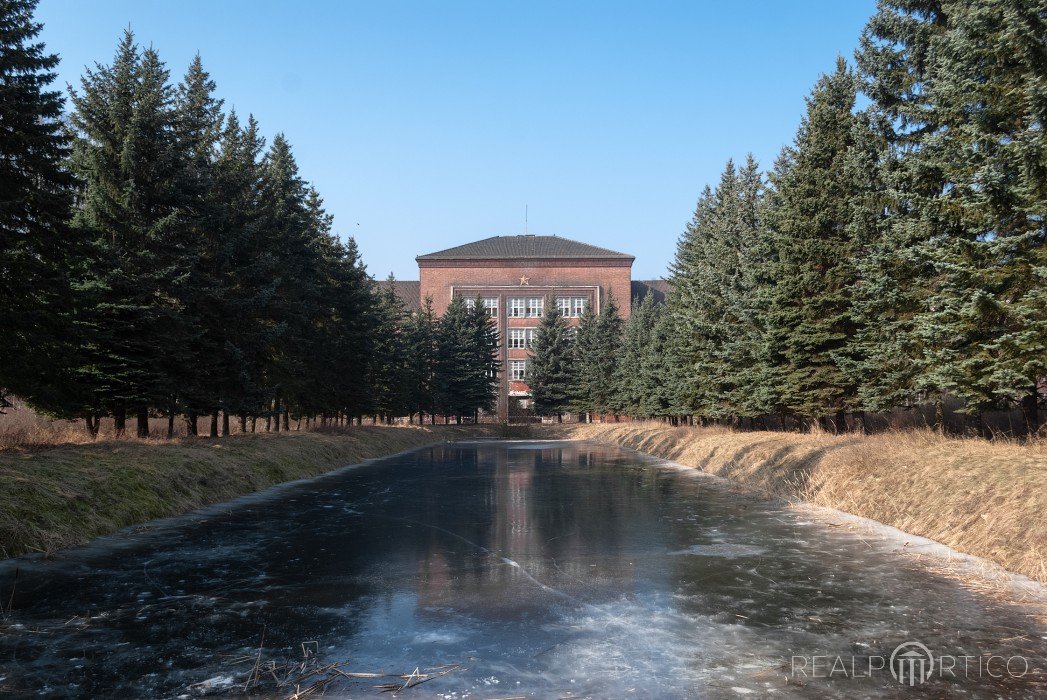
{"points": [[537, 569]]}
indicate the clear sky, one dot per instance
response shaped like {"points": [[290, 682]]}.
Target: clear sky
{"points": [[425, 125]]}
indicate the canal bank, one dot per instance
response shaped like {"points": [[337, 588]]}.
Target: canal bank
{"points": [[62, 496], [980, 498], [986, 499]]}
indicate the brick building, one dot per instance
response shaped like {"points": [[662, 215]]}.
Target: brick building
{"points": [[515, 276]]}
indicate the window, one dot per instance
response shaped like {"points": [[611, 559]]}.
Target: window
{"points": [[572, 307], [522, 338], [530, 307], [490, 303], [517, 369]]}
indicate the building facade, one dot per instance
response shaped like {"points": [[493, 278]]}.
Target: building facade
{"points": [[514, 277]]}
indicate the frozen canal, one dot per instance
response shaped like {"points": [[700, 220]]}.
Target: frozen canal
{"points": [[540, 569]]}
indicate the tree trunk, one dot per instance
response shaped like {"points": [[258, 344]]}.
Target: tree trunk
{"points": [[859, 416], [254, 422], [287, 420], [559, 418], [214, 424], [142, 419], [939, 414], [119, 420], [190, 424], [91, 422], [243, 423], [841, 421], [1031, 412], [170, 423], [225, 423]]}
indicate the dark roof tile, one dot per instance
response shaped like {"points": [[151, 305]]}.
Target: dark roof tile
{"points": [[526, 247]]}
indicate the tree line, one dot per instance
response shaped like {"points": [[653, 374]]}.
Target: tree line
{"points": [[893, 256], [160, 259]]}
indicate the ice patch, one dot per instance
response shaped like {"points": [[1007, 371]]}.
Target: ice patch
{"points": [[725, 550], [437, 637]]}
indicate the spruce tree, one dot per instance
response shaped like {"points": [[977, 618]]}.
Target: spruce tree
{"points": [[632, 382], [484, 364], [456, 347], [125, 153], [550, 374], [37, 344], [421, 364], [811, 317], [586, 360]]}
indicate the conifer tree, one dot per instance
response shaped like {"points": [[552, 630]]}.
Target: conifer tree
{"points": [[125, 153], [811, 319], [456, 347], [714, 298], [549, 371], [631, 381], [389, 393], [596, 348], [35, 197], [197, 130], [421, 365], [484, 365]]}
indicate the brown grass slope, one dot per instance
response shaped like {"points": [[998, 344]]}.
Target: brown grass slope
{"points": [[63, 496], [988, 499]]}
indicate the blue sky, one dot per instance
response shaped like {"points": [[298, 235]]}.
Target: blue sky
{"points": [[430, 124]]}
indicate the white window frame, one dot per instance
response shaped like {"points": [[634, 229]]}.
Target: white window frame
{"points": [[529, 336], [518, 370], [563, 305], [578, 306], [517, 307], [518, 338], [535, 307], [491, 305]]}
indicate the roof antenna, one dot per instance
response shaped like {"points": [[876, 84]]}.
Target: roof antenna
{"points": [[525, 219]]}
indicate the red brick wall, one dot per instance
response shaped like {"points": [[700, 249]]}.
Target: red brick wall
{"points": [[439, 277]]}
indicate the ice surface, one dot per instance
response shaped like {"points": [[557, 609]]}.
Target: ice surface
{"points": [[543, 568]]}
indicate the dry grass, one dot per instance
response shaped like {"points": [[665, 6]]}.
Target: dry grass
{"points": [[988, 499], [65, 495]]}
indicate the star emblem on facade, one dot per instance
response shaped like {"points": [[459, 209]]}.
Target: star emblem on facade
{"points": [[525, 281]]}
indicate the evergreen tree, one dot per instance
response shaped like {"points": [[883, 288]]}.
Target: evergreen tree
{"points": [[811, 320], [245, 269], [420, 375], [632, 382], [484, 364], [456, 347], [983, 322], [389, 393], [715, 297], [549, 372], [35, 199], [125, 153], [289, 239], [587, 373], [195, 361]]}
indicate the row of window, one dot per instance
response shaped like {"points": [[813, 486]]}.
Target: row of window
{"points": [[523, 338], [533, 307]]}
